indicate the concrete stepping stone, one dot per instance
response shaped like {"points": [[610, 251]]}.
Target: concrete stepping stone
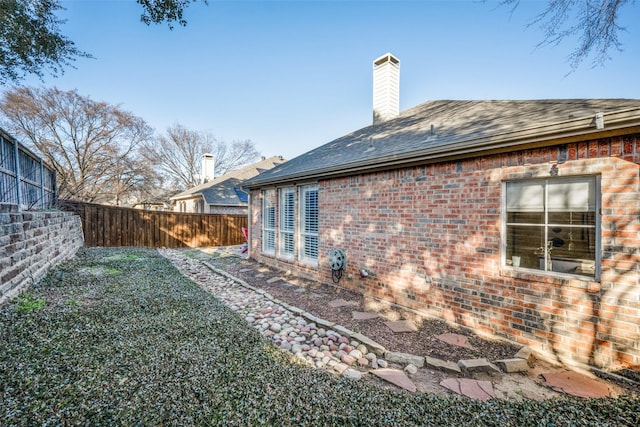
{"points": [[576, 384], [455, 339], [337, 303], [395, 377], [480, 390], [401, 326], [362, 315]]}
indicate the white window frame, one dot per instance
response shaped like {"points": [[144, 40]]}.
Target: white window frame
{"points": [[287, 222], [269, 222], [307, 229], [545, 226]]}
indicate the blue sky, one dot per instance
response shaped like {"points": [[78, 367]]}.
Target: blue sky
{"points": [[292, 75]]}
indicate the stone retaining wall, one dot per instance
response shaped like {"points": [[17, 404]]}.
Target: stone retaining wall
{"points": [[33, 242]]}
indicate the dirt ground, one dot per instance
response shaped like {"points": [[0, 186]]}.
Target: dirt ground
{"points": [[314, 297]]}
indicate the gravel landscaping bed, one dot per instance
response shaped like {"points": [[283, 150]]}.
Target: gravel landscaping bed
{"points": [[120, 337]]}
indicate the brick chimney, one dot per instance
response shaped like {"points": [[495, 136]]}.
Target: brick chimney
{"points": [[386, 88]]}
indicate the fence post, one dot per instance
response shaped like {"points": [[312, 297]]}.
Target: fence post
{"points": [[42, 206], [16, 150]]}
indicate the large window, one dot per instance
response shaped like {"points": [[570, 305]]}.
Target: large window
{"points": [[309, 224], [287, 222], [552, 225], [268, 221]]}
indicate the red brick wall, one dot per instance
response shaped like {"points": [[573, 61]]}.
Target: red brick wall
{"points": [[431, 236]]}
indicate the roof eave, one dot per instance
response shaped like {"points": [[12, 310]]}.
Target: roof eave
{"points": [[616, 123]]}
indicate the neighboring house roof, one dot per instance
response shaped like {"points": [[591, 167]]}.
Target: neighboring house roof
{"points": [[225, 190], [440, 130]]}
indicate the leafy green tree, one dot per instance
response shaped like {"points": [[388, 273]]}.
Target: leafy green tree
{"points": [[30, 40], [169, 11]]}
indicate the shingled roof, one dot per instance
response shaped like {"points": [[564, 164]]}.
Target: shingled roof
{"points": [[437, 130], [225, 189]]}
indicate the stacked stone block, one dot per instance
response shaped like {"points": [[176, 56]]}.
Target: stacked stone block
{"points": [[33, 242]]}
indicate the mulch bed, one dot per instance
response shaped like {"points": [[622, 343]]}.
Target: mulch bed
{"points": [[314, 297]]}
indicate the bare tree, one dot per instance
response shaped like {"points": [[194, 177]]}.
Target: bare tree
{"points": [[178, 154], [594, 22], [92, 145]]}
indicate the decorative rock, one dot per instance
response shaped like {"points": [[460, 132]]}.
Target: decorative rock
{"points": [[352, 374], [340, 367], [362, 349], [411, 369], [363, 362], [355, 353], [286, 345], [382, 363], [513, 365], [372, 345], [404, 358], [276, 327], [348, 360]]}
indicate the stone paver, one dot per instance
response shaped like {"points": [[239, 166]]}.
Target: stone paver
{"points": [[363, 315], [455, 339], [395, 377], [337, 303], [480, 390], [401, 326], [576, 384]]}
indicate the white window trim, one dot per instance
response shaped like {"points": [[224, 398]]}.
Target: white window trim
{"points": [[598, 224], [301, 233], [282, 231], [265, 230]]}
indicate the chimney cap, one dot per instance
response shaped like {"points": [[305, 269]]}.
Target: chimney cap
{"points": [[387, 57]]}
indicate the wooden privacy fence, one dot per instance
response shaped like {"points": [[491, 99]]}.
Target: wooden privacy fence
{"points": [[112, 226]]}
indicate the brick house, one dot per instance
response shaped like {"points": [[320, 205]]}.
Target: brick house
{"points": [[517, 219], [224, 194]]}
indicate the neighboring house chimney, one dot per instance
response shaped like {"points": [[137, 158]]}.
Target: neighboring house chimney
{"points": [[386, 88], [208, 168]]}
